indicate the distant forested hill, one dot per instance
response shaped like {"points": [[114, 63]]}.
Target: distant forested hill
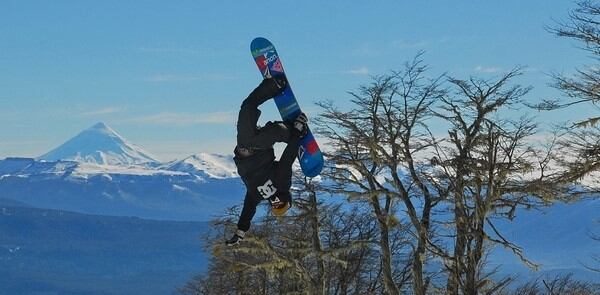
{"points": [[57, 252]]}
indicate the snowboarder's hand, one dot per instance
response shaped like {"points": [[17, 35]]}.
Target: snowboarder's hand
{"points": [[236, 238], [300, 125]]}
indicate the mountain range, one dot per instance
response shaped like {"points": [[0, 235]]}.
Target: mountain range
{"points": [[100, 215], [100, 172]]}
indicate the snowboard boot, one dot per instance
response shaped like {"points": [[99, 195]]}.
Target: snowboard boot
{"points": [[236, 239], [272, 86]]}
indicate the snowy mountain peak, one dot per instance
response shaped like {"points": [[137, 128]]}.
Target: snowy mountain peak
{"points": [[214, 165], [100, 144], [101, 127]]}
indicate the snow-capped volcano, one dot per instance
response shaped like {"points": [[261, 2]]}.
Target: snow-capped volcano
{"points": [[99, 172], [100, 144], [214, 165]]}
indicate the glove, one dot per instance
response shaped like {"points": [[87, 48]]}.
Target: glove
{"points": [[236, 238], [300, 125]]}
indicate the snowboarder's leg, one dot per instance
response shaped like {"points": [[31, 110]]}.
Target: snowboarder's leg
{"points": [[248, 212], [249, 113], [243, 225]]}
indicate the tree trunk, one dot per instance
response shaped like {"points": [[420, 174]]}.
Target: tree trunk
{"points": [[384, 244], [454, 274], [419, 285], [319, 286], [417, 269]]}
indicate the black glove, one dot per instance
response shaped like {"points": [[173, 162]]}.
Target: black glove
{"points": [[236, 238], [300, 125]]}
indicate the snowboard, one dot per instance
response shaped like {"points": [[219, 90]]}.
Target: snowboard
{"points": [[269, 64]]}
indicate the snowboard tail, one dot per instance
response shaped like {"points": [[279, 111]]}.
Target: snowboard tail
{"points": [[269, 64]]}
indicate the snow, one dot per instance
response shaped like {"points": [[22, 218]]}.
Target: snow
{"points": [[82, 170], [180, 188], [99, 150], [213, 165], [99, 172], [85, 170]]}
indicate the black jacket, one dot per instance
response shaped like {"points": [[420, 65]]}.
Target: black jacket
{"points": [[263, 176]]}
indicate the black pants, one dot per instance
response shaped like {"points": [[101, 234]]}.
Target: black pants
{"points": [[251, 137], [248, 134]]}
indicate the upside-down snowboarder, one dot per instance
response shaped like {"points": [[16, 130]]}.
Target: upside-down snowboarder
{"points": [[264, 177]]}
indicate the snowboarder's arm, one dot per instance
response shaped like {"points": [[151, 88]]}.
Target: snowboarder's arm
{"points": [[288, 156], [266, 90], [298, 129]]}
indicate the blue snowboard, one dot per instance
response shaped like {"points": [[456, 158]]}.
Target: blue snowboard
{"points": [[269, 64]]}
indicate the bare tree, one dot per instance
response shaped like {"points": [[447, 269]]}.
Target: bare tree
{"points": [[580, 144], [486, 168], [582, 26], [309, 208], [580, 141], [318, 249], [224, 277], [561, 284], [375, 159]]}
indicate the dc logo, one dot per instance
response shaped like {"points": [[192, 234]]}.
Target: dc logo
{"points": [[267, 190]]}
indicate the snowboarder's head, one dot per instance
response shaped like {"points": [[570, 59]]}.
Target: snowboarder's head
{"points": [[280, 203]]}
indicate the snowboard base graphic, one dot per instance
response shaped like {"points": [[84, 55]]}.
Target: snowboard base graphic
{"points": [[269, 64]]}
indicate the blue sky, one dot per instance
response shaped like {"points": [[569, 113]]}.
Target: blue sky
{"points": [[170, 75]]}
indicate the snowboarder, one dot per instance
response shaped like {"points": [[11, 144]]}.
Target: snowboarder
{"points": [[263, 176]]}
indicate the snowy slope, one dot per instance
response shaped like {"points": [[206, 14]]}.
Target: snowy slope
{"points": [[213, 165], [133, 190], [85, 170], [100, 144], [28, 167]]}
